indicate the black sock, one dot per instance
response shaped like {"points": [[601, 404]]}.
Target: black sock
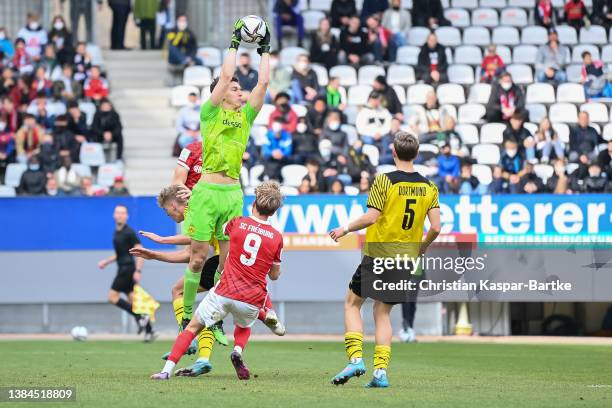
{"points": [[127, 306]]}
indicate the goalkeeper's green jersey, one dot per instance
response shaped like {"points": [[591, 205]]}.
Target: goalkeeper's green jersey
{"points": [[225, 134]]}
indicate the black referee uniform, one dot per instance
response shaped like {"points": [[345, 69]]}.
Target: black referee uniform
{"points": [[124, 240]]}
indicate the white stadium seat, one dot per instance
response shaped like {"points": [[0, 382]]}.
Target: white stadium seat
{"points": [[524, 54], [506, 36], [574, 72], [205, 94], [534, 35], [598, 112], [483, 173], [96, 54], [521, 74], [12, 177], [471, 113], [607, 132], [476, 36], [180, 95], [528, 4], [450, 93], [458, 17], [531, 127], [351, 133], [485, 17], [425, 171], [358, 95], [414, 110], [492, 133], [346, 74], [563, 130], [211, 56], [537, 111], [540, 93], [288, 55], [264, 115], [563, 112], [92, 154], [479, 93], [400, 75], [351, 114], [300, 110], [461, 74], [449, 110], [468, 54], [367, 74], [107, 174], [418, 35], [449, 36], [321, 72], [543, 171], [81, 169], [385, 168], [514, 17], [372, 152], [572, 93], [197, 76], [594, 35], [606, 54], [408, 54], [464, 4], [567, 35], [7, 191], [254, 174], [289, 191], [579, 49], [505, 54], [468, 133], [259, 133], [417, 93], [312, 18], [293, 174], [571, 167], [486, 153], [351, 190], [496, 4], [89, 109], [323, 5], [400, 91]]}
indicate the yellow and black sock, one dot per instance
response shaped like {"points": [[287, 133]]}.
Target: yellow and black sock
{"points": [[382, 355], [353, 342], [177, 305], [206, 340]]}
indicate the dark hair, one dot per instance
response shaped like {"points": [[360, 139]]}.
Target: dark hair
{"points": [[585, 53], [374, 95], [193, 94], [281, 95], [518, 116], [274, 53], [381, 80], [29, 116], [216, 81], [245, 54], [313, 161], [406, 146]]}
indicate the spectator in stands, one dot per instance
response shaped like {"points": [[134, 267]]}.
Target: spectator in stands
{"points": [[316, 114], [68, 180], [33, 180], [49, 61], [65, 139], [304, 187], [506, 99], [85, 8], [604, 159], [449, 135], [96, 87], [51, 187], [6, 45], [283, 112], [359, 162], [373, 120], [334, 133], [28, 139], [517, 132], [551, 60], [9, 115], [71, 89], [77, 123], [397, 21], [530, 183], [121, 11], [602, 13], [337, 169], [576, 14], [389, 98], [373, 8], [324, 45], [336, 187], [250, 157], [247, 76], [432, 62], [333, 95], [188, 122], [545, 14], [365, 183], [49, 156], [558, 183], [61, 38], [547, 140], [468, 183], [86, 189], [583, 140], [280, 78], [39, 107], [304, 80], [499, 184], [277, 151], [288, 13], [106, 127], [7, 82], [378, 38], [21, 94], [341, 12], [305, 143], [313, 177], [428, 13], [511, 160], [354, 46], [182, 44], [593, 76], [40, 84], [34, 35], [492, 65], [118, 189], [449, 170], [429, 125], [386, 151], [82, 62], [7, 146], [144, 15], [589, 178], [22, 62]]}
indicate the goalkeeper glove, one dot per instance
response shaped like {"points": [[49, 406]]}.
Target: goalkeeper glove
{"points": [[236, 37], [264, 44]]}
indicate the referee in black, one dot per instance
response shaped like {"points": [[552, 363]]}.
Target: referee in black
{"points": [[128, 270]]}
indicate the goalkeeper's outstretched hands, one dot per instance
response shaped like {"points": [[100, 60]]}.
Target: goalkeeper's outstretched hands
{"points": [[264, 44], [236, 36]]}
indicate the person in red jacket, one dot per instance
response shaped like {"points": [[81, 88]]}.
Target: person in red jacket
{"points": [[283, 111], [575, 13], [492, 65], [96, 87]]}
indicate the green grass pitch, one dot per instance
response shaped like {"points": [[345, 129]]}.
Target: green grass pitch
{"points": [[285, 374]]}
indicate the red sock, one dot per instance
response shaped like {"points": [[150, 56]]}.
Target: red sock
{"points": [[268, 304], [262, 315], [181, 345], [264, 309], [241, 336]]}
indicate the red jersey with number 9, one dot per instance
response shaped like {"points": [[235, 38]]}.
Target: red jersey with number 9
{"points": [[254, 246]]}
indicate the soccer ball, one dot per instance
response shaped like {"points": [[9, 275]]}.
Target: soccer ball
{"points": [[79, 333], [253, 30]]}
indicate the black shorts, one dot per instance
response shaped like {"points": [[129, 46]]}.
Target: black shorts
{"points": [[124, 281], [207, 279]]}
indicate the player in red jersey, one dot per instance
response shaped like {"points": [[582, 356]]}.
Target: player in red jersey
{"points": [[189, 165], [254, 253]]}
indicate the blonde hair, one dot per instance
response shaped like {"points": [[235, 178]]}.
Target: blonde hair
{"points": [[268, 197], [168, 195]]}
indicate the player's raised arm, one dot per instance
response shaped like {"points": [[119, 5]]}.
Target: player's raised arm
{"points": [[180, 256], [229, 67], [169, 240], [258, 94]]}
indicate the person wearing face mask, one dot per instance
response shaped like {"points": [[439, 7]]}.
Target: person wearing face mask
{"points": [[33, 181], [280, 78], [34, 35], [511, 163], [304, 80], [506, 98], [61, 38], [305, 143], [397, 21], [28, 139], [84, 8], [188, 122], [106, 127], [333, 133], [247, 76], [517, 132], [121, 11], [182, 44], [324, 45], [449, 170], [6, 45], [277, 151], [283, 112]]}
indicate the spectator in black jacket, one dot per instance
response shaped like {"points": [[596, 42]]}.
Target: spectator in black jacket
{"points": [[371, 7], [602, 13], [247, 76], [428, 13], [118, 189], [506, 99], [432, 62], [333, 133], [341, 12], [530, 183], [558, 183], [106, 127], [49, 156], [33, 180], [304, 80], [389, 99], [305, 143], [121, 11], [77, 123], [604, 159], [324, 45], [287, 13], [518, 133], [589, 178], [354, 46], [65, 139], [61, 37], [315, 117], [314, 176], [182, 44], [583, 139]]}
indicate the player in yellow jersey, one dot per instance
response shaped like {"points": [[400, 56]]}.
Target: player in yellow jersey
{"points": [[398, 204]]}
